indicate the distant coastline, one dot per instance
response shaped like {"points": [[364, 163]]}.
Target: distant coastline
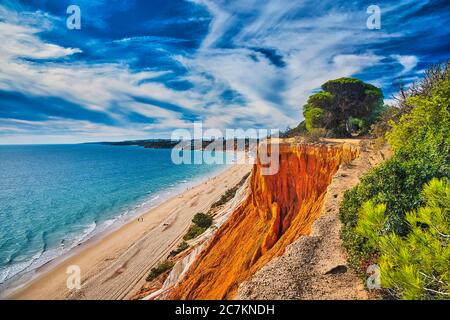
{"points": [[170, 144]]}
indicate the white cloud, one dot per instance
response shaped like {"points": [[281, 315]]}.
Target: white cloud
{"points": [[408, 62], [313, 49], [100, 87], [21, 42], [309, 47]]}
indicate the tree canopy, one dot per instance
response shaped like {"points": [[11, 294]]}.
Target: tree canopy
{"points": [[343, 105]]}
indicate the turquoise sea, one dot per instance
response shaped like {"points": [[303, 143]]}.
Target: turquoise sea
{"points": [[54, 197]]}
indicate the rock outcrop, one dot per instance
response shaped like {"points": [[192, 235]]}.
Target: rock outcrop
{"points": [[279, 209], [315, 266]]}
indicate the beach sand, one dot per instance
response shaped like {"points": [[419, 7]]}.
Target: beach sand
{"points": [[115, 266]]}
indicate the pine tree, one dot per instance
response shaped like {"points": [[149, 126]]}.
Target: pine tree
{"points": [[416, 266]]}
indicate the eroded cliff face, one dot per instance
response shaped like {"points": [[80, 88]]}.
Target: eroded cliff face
{"points": [[278, 210]]}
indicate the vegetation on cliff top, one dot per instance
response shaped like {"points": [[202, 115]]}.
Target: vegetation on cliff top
{"points": [[391, 195], [181, 247], [201, 222], [160, 269], [417, 265], [230, 193], [345, 106]]}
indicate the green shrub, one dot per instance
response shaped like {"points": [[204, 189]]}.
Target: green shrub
{"points": [[313, 118], [230, 193], [203, 220], [193, 232], [181, 247], [395, 183], [159, 269], [227, 196], [415, 266], [426, 128], [421, 143], [358, 125]]}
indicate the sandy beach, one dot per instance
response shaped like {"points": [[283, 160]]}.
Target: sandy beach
{"points": [[115, 266]]}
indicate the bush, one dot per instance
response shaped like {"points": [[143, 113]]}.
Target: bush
{"points": [[203, 220], [181, 247], [421, 143], [415, 266], [193, 232], [358, 126], [426, 128], [227, 196], [230, 193], [159, 269]]}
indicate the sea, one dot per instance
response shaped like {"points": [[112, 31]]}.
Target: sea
{"points": [[55, 197]]}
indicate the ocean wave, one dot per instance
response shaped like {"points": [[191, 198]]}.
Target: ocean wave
{"points": [[14, 270]]}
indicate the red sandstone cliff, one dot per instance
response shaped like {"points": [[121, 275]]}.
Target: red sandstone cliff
{"points": [[278, 210]]}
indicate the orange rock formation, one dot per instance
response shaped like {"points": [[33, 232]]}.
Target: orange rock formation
{"points": [[279, 209]]}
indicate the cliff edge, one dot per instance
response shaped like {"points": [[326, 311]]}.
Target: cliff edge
{"points": [[315, 266], [279, 210]]}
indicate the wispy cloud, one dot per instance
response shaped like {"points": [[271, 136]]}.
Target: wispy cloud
{"points": [[408, 62], [244, 64]]}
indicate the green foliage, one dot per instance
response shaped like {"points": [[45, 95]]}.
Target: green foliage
{"points": [[181, 247], [426, 127], [227, 196], [202, 220], [357, 124], [230, 193], [415, 266], [395, 183], [320, 100], [159, 269], [421, 141], [341, 100], [386, 119], [193, 232], [313, 118]]}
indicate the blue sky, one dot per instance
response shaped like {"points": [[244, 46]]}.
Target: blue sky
{"points": [[140, 69]]}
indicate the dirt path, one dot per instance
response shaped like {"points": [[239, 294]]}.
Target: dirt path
{"points": [[315, 266]]}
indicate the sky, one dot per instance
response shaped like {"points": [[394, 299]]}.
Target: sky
{"points": [[140, 69]]}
